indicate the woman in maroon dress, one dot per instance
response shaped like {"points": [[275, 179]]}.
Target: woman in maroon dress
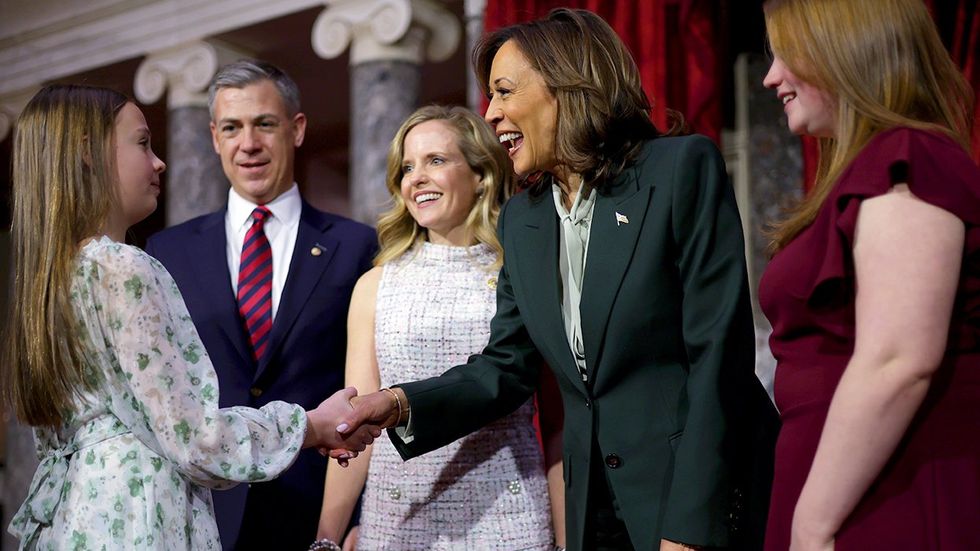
{"points": [[874, 290]]}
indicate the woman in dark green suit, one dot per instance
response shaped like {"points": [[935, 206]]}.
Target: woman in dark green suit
{"points": [[624, 271]]}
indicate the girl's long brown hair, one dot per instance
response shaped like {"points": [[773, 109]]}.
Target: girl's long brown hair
{"points": [[63, 187]]}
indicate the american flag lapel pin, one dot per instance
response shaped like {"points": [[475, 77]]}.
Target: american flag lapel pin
{"points": [[621, 219]]}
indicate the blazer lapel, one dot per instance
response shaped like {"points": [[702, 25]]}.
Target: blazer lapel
{"points": [[305, 270], [215, 281], [616, 224], [536, 259]]}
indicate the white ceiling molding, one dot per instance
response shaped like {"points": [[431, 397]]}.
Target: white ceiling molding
{"points": [[21, 18], [124, 30]]}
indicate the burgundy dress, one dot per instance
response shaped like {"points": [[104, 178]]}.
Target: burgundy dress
{"points": [[927, 497]]}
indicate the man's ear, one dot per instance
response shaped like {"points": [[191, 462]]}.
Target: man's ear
{"points": [[299, 129]]}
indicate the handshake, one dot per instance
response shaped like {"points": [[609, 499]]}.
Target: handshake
{"points": [[345, 424]]}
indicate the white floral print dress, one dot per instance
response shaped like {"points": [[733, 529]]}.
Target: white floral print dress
{"points": [[131, 466]]}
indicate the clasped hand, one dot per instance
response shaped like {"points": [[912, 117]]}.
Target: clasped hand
{"points": [[373, 411], [323, 426]]}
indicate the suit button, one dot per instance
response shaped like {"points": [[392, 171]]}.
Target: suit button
{"points": [[255, 391], [613, 461], [588, 404]]}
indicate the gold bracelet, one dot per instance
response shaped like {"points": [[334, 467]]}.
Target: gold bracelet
{"points": [[398, 403]]}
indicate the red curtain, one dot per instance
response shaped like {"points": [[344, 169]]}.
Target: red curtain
{"points": [[959, 26], [963, 40], [675, 44]]}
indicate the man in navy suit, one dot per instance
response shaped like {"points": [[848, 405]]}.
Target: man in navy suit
{"points": [[298, 355]]}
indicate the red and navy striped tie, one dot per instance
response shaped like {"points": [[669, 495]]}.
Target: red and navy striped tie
{"points": [[255, 283]]}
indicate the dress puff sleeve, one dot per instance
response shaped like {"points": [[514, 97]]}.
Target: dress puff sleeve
{"points": [[936, 169], [162, 385]]}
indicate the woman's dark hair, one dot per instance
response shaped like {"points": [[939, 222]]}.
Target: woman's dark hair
{"points": [[603, 112]]}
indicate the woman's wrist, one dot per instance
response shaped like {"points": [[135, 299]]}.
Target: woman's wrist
{"points": [[400, 409], [324, 544], [810, 524], [310, 437]]}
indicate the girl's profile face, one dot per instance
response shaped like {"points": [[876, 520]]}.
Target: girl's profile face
{"points": [[809, 109], [138, 168]]}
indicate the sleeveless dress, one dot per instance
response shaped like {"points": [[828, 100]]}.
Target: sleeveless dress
{"points": [[131, 465], [927, 497], [486, 490]]}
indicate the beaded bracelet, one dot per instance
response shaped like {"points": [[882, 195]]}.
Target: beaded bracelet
{"points": [[324, 544], [398, 403]]}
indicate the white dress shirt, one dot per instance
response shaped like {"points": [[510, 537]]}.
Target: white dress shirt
{"points": [[280, 230]]}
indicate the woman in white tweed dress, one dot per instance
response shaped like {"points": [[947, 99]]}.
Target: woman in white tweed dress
{"points": [[426, 306]]}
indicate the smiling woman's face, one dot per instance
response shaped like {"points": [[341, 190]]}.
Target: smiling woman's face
{"points": [[438, 186], [522, 111], [809, 110]]}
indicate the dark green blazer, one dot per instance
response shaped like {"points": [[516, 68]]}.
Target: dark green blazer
{"points": [[684, 427]]}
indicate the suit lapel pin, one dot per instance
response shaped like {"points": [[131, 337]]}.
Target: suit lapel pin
{"points": [[317, 250], [621, 219]]}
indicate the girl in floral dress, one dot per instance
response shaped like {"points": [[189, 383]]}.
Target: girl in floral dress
{"points": [[102, 358]]}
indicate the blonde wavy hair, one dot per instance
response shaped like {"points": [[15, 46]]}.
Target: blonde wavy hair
{"points": [[63, 188], [884, 65], [398, 231]]}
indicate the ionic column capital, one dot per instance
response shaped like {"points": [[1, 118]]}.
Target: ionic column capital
{"points": [[406, 30], [186, 70]]}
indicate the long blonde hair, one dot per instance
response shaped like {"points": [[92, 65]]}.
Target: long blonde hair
{"points": [[63, 189], [885, 66], [398, 231]]}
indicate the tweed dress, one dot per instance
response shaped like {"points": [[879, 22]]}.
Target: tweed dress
{"points": [[486, 490]]}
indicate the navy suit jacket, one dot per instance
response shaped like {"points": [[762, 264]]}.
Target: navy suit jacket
{"points": [[304, 365]]}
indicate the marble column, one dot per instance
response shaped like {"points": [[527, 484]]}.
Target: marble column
{"points": [[194, 182], [389, 40], [473, 12], [374, 120], [767, 165]]}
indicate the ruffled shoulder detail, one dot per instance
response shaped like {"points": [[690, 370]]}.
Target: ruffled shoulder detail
{"points": [[936, 169]]}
